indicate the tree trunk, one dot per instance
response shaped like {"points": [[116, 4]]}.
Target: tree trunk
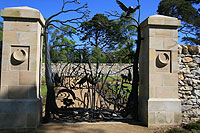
{"points": [[50, 106], [132, 104]]}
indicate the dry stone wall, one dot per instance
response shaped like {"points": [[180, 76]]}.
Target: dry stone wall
{"points": [[116, 69], [189, 82]]}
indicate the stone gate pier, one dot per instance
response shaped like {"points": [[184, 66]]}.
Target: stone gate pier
{"points": [[20, 100], [158, 95]]}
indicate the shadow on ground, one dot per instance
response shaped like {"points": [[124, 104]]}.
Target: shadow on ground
{"points": [[99, 127]]}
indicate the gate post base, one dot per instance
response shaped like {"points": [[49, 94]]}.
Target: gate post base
{"points": [[164, 112], [19, 114]]}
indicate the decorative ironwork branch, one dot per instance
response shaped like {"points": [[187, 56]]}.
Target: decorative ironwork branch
{"points": [[51, 106], [132, 105]]}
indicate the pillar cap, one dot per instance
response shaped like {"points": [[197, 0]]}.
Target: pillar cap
{"points": [[22, 12], [161, 20]]}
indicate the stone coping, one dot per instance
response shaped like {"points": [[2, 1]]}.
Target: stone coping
{"points": [[161, 20], [23, 12]]}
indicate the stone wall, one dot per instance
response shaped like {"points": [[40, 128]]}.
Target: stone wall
{"points": [[189, 82], [115, 68]]}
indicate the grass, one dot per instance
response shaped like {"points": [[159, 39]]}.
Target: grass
{"points": [[113, 78], [43, 90], [43, 87], [189, 128]]}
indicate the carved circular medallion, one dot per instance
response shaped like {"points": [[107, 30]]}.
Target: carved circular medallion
{"points": [[163, 59], [20, 55]]}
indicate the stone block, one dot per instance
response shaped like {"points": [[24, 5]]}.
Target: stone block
{"points": [[166, 92], [158, 81], [18, 92], [156, 43], [32, 66], [160, 20], [164, 104], [169, 117], [4, 92], [19, 113], [152, 54], [170, 43], [20, 38], [151, 118], [5, 50], [32, 92], [160, 33], [12, 120], [9, 78], [177, 117], [27, 78], [187, 59], [170, 79], [5, 64], [33, 53], [20, 26], [160, 117], [11, 37], [32, 120]]}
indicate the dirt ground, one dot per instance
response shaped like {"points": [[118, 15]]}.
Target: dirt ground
{"points": [[100, 127]]}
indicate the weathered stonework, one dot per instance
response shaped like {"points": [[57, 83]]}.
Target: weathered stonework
{"points": [[20, 100], [189, 82]]}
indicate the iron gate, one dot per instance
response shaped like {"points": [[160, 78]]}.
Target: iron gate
{"points": [[92, 91], [87, 91]]}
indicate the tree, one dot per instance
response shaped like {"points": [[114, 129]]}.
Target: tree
{"points": [[109, 37], [97, 32], [61, 44], [184, 10]]}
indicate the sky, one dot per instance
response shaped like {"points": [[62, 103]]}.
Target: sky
{"points": [[49, 7]]}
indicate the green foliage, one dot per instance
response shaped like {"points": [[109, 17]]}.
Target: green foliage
{"points": [[176, 130], [109, 40], [61, 46], [97, 55], [193, 126], [184, 10], [189, 128], [97, 32]]}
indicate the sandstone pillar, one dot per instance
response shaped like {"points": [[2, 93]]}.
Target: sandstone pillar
{"points": [[158, 95], [20, 100]]}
